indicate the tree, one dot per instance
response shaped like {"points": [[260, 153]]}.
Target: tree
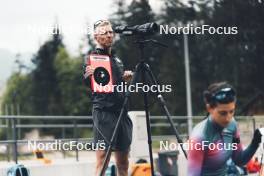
{"points": [[45, 91], [74, 94], [175, 13], [235, 58], [18, 93], [214, 57], [136, 13]]}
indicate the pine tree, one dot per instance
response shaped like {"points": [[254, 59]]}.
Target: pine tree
{"points": [[46, 95]]}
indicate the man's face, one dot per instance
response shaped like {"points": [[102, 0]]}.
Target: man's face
{"points": [[222, 114], [104, 36]]}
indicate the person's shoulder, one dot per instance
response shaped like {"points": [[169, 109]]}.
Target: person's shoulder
{"points": [[94, 52], [199, 130], [118, 60], [113, 52], [201, 124]]}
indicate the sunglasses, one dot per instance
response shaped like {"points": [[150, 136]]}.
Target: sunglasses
{"points": [[97, 23], [224, 95]]}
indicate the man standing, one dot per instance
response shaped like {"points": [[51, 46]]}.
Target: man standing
{"points": [[107, 106]]}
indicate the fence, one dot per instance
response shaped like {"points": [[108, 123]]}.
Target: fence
{"points": [[13, 124]]}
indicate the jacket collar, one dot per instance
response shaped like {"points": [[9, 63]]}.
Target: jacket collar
{"points": [[104, 51]]}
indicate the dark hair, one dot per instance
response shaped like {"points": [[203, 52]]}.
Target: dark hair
{"points": [[219, 93]]}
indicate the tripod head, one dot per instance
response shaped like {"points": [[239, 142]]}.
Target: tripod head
{"points": [[154, 42], [142, 42], [140, 31]]}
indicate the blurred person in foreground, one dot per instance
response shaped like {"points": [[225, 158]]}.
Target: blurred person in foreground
{"points": [[216, 139]]}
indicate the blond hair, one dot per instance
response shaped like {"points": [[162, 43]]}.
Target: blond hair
{"points": [[101, 23]]}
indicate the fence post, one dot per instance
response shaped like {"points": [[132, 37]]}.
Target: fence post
{"points": [[76, 139], [14, 139], [8, 130], [63, 137]]}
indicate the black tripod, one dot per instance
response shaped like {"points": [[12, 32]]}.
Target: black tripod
{"points": [[142, 69]]}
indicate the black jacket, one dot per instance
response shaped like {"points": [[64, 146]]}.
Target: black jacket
{"points": [[109, 101]]}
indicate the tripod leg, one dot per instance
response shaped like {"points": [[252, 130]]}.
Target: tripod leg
{"points": [[145, 94], [127, 95], [164, 106]]}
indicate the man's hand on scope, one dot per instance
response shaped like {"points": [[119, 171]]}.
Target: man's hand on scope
{"points": [[127, 76]]}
